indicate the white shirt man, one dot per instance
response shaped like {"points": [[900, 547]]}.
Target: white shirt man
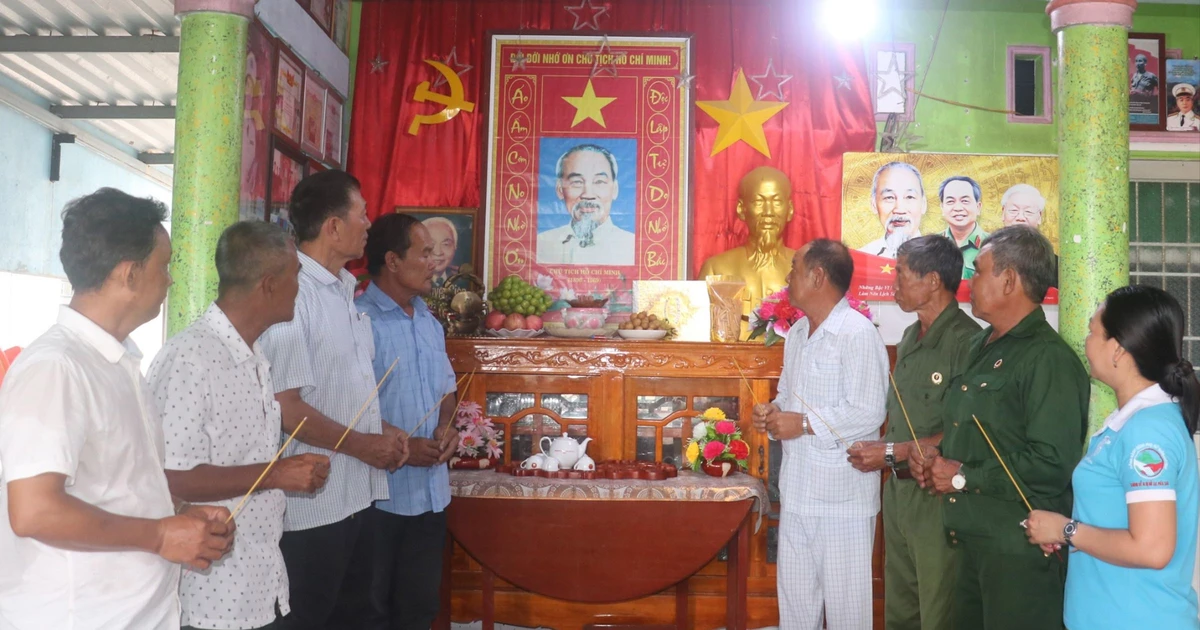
{"points": [[218, 408], [75, 404], [611, 246], [829, 508]]}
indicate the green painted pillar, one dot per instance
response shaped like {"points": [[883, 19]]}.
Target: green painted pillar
{"points": [[1093, 166], [208, 147]]}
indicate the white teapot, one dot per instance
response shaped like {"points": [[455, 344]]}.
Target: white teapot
{"points": [[564, 449]]}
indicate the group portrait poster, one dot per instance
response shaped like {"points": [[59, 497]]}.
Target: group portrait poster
{"points": [[587, 163], [889, 198]]}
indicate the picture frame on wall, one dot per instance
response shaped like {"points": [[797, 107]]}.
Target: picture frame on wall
{"points": [[454, 232], [341, 24], [333, 129], [287, 169], [1183, 85], [312, 138], [289, 96], [256, 121], [322, 13], [1147, 90]]}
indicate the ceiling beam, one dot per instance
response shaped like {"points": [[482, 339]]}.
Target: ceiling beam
{"points": [[114, 112], [89, 44], [82, 136], [157, 158]]}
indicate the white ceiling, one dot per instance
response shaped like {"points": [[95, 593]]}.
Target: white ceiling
{"points": [[98, 78]]}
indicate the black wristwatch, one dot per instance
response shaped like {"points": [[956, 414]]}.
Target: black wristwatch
{"points": [[889, 455], [1069, 530]]}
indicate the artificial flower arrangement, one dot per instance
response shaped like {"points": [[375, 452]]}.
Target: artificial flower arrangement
{"points": [[478, 438], [775, 316], [716, 440]]}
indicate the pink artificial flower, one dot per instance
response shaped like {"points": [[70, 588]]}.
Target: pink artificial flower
{"points": [[469, 408], [766, 310], [493, 449], [781, 327], [726, 427], [713, 450]]}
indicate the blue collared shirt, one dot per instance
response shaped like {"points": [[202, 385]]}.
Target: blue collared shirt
{"points": [[421, 377]]}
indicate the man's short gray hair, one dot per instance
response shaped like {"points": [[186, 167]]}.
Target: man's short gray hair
{"points": [[593, 148], [1020, 189], [891, 165], [1024, 250], [249, 250]]}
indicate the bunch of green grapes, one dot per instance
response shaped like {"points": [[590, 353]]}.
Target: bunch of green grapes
{"points": [[514, 295]]}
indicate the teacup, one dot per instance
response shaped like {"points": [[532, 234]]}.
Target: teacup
{"points": [[537, 462], [549, 464], [585, 463]]}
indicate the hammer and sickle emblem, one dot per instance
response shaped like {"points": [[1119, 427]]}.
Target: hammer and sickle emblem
{"points": [[451, 104]]}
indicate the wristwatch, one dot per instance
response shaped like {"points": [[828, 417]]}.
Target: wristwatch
{"points": [[1069, 530], [889, 455], [803, 424], [959, 481]]}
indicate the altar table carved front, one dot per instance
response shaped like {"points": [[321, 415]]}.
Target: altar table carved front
{"points": [[636, 400]]}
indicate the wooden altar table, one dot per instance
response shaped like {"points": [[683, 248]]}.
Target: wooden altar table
{"points": [[604, 540]]}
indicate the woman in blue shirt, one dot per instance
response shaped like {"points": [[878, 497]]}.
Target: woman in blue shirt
{"points": [[1136, 497]]}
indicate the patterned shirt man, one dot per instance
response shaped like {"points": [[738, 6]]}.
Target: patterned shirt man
{"points": [[218, 408]]}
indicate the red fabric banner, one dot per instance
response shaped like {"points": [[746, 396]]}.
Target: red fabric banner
{"points": [[829, 109]]}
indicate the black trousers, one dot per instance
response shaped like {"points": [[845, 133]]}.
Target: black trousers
{"points": [[330, 570], [408, 569]]}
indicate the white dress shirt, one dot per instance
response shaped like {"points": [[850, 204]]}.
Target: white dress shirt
{"points": [[218, 408], [326, 353], [75, 403], [1183, 121], [610, 246], [842, 372]]}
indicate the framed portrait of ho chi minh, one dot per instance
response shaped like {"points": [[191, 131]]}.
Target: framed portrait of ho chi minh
{"points": [[1147, 89], [588, 162]]}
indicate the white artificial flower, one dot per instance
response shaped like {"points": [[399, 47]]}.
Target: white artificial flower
{"points": [[544, 282], [699, 431], [566, 293]]}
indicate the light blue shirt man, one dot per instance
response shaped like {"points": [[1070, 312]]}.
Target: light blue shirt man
{"points": [[421, 378]]}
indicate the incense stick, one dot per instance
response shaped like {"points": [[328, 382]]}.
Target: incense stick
{"points": [[1008, 472], [910, 426], [266, 470], [753, 397], [469, 377], [827, 426], [365, 404]]}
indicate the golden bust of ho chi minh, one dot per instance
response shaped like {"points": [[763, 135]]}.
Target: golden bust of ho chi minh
{"points": [[765, 204]]}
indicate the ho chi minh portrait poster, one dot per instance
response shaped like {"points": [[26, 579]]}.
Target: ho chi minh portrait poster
{"points": [[588, 149]]}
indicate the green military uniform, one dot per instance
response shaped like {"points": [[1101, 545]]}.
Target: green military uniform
{"points": [[919, 565], [1030, 393], [969, 247]]}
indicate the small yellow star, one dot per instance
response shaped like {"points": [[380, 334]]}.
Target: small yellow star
{"points": [[588, 105], [741, 117], [887, 269]]}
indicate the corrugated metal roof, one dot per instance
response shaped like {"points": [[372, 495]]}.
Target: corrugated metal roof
{"points": [[98, 78]]}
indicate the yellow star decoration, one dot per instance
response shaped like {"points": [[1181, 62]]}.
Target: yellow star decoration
{"points": [[887, 269], [741, 117], [589, 105]]}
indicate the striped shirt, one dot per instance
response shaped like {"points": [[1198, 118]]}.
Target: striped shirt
{"points": [[421, 377], [842, 372], [328, 333]]}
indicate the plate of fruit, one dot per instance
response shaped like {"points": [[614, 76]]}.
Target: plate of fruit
{"points": [[645, 326], [517, 309]]}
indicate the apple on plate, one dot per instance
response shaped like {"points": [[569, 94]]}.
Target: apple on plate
{"points": [[494, 320], [514, 321], [533, 322]]}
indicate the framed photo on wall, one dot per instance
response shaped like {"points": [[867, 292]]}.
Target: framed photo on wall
{"points": [[256, 116], [333, 129], [1183, 82], [287, 169], [312, 138], [289, 96], [1147, 90], [322, 12], [453, 231]]}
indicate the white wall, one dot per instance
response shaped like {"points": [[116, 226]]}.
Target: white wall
{"points": [[32, 283]]}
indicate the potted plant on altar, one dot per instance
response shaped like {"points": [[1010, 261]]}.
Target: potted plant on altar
{"points": [[716, 447], [478, 439], [775, 315]]}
